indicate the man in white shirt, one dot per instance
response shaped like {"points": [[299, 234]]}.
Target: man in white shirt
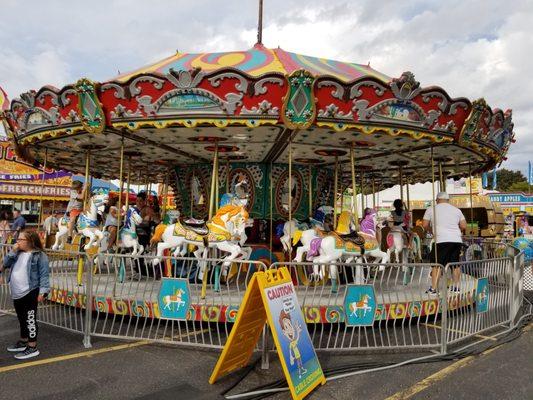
{"points": [[447, 230]]}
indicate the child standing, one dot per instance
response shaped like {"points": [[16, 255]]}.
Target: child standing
{"points": [[29, 284], [75, 205]]}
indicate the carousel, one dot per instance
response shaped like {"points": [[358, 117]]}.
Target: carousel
{"points": [[260, 148]]}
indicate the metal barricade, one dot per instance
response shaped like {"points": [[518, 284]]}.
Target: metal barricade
{"points": [[484, 299], [6, 304], [67, 301], [65, 305], [484, 249], [122, 294], [125, 294], [405, 315]]}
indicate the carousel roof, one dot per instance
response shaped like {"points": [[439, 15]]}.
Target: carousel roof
{"points": [[257, 61], [249, 105]]}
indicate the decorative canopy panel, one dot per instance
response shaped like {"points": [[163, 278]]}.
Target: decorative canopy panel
{"points": [[258, 61], [249, 105]]}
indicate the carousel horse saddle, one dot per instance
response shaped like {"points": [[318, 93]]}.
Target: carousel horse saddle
{"points": [[197, 226], [354, 238]]}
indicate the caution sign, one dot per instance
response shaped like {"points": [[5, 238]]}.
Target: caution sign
{"points": [[271, 298]]}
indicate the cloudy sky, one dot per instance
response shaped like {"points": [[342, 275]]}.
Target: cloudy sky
{"points": [[472, 48]]}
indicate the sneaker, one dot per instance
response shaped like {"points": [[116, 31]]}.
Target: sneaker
{"points": [[432, 292], [28, 352], [17, 347]]}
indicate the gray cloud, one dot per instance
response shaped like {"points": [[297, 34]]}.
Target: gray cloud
{"points": [[478, 48]]}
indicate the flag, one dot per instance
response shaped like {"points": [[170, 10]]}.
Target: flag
{"points": [[494, 179], [485, 180], [4, 101], [529, 174]]}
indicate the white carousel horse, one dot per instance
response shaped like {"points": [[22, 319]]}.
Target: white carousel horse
{"points": [[224, 232], [127, 235], [87, 225], [335, 245], [403, 251], [396, 244], [288, 228]]}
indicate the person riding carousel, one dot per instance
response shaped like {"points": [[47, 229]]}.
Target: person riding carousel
{"points": [[401, 219]]}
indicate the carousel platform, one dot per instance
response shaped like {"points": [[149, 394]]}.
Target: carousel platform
{"points": [[138, 296]]}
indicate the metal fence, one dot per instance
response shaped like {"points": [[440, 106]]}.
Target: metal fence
{"points": [[406, 316], [123, 292], [486, 306]]}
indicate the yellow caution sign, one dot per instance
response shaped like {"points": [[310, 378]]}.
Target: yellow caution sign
{"points": [[271, 298]]}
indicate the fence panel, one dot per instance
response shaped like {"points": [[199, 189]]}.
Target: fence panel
{"points": [[126, 298], [124, 294], [485, 303], [405, 315], [66, 301]]}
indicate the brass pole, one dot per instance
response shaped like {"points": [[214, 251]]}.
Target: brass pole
{"points": [[271, 211], [42, 188], [213, 183], [335, 188], [341, 189], [434, 222], [290, 194], [401, 183], [228, 167], [407, 190], [441, 178], [128, 185], [164, 202], [373, 192], [190, 194], [362, 196], [310, 189], [354, 191], [120, 178], [87, 183], [54, 199], [471, 199], [217, 184]]}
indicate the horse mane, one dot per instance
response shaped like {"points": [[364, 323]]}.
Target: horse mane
{"points": [[343, 224], [230, 209]]}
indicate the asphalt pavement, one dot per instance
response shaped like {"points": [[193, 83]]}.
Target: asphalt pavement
{"points": [[140, 370]]}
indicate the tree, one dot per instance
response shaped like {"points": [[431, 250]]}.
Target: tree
{"points": [[506, 178], [519, 187]]}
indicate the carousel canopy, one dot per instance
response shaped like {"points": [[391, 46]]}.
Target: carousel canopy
{"points": [[248, 106], [258, 61]]}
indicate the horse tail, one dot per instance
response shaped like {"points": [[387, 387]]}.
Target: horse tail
{"points": [[158, 233], [297, 235]]}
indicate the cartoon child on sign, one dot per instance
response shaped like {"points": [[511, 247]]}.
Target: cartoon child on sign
{"points": [[292, 333]]}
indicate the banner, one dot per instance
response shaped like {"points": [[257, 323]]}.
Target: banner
{"points": [[494, 179], [33, 191], [485, 180], [34, 177]]}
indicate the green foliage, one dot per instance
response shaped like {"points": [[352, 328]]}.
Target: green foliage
{"points": [[506, 178], [519, 187]]}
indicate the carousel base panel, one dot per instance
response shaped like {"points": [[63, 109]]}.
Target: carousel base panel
{"points": [[138, 297]]}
